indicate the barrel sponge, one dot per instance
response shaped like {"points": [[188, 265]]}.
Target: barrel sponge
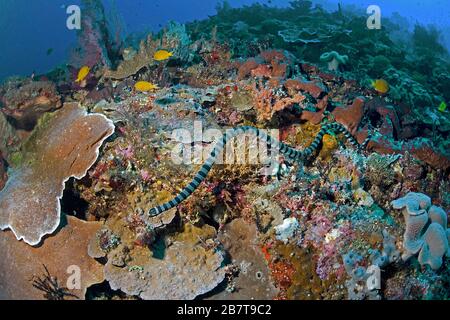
{"points": [[65, 144], [435, 246], [438, 215], [414, 203], [426, 230], [448, 240], [412, 239]]}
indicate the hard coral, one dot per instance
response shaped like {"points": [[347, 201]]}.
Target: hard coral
{"points": [[141, 59], [268, 101], [61, 254], [315, 89], [3, 176], [350, 116], [65, 145], [187, 269], [26, 102]]}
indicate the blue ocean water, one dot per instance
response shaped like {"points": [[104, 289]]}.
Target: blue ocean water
{"points": [[34, 36]]}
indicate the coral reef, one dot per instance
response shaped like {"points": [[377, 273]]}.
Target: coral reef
{"points": [[172, 211], [25, 102], [186, 271], [68, 265], [64, 145], [426, 229]]}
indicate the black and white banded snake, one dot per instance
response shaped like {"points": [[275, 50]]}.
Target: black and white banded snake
{"points": [[289, 152]]}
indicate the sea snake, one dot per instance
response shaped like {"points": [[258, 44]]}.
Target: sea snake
{"points": [[291, 153]]}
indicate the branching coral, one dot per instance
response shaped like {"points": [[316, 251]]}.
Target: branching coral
{"points": [[64, 145], [268, 101], [174, 39]]}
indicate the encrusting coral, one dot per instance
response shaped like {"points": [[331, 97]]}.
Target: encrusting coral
{"points": [[186, 271], [64, 145]]}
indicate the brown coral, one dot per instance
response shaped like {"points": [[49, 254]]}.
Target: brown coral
{"points": [[65, 145], [315, 89], [61, 254], [26, 102], [143, 58], [351, 116], [267, 102], [187, 270]]}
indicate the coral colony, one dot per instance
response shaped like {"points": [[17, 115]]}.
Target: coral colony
{"points": [[261, 153]]}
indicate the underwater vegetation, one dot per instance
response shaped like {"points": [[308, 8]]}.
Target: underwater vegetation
{"points": [[351, 203]]}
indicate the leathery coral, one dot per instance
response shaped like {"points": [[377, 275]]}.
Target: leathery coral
{"points": [[64, 145]]}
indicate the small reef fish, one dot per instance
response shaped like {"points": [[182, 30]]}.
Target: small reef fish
{"points": [[380, 85], [162, 55], [442, 107], [49, 51], [82, 74], [144, 86]]}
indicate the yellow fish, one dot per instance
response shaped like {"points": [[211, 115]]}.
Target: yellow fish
{"points": [[144, 86], [162, 55], [380, 85], [82, 74]]}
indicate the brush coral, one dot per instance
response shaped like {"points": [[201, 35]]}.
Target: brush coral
{"points": [[64, 145]]}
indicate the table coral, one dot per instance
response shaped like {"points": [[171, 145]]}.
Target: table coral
{"points": [[64, 145], [61, 253]]}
